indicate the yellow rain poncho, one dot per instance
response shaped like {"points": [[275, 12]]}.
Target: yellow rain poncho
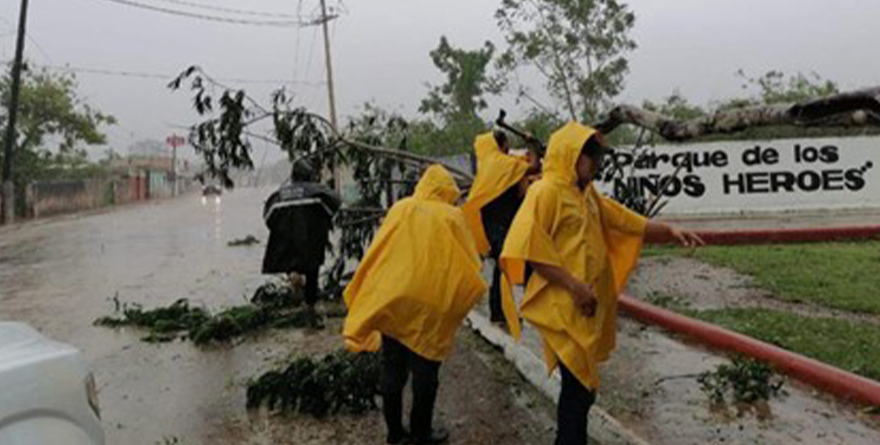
{"points": [[496, 172], [420, 276], [594, 238]]}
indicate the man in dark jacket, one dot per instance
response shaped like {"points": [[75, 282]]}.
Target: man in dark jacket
{"points": [[299, 216]]}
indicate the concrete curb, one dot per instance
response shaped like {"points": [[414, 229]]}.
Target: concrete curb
{"points": [[603, 427], [820, 375]]}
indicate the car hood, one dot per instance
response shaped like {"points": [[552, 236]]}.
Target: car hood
{"points": [[21, 345]]}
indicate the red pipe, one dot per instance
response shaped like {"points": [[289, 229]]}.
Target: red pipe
{"points": [[834, 380], [775, 236]]}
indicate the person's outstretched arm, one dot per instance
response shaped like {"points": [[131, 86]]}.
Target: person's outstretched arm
{"points": [[686, 238]]}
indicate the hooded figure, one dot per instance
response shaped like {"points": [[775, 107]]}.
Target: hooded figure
{"points": [[411, 292], [299, 216], [568, 225], [492, 203]]}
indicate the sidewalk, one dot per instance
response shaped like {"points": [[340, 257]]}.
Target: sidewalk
{"points": [[781, 220]]}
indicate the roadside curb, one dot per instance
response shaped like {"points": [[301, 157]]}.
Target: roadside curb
{"points": [[604, 427], [820, 375]]}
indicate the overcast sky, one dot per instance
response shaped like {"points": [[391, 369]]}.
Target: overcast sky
{"points": [[380, 49]]}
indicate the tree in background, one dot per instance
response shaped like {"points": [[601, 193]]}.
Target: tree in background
{"points": [[676, 106], [455, 105], [53, 125], [775, 87], [578, 46], [467, 81]]}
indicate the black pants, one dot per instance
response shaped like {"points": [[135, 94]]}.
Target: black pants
{"points": [[311, 288], [575, 402], [398, 362], [496, 313]]}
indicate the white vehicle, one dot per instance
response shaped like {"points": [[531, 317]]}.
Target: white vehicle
{"points": [[47, 394]]}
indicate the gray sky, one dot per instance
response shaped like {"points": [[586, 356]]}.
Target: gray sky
{"points": [[380, 49]]}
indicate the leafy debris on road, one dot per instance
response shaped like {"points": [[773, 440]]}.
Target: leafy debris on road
{"points": [[748, 380], [272, 306], [179, 316], [249, 240], [339, 382]]}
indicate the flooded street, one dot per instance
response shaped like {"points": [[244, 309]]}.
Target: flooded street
{"points": [[60, 275]]}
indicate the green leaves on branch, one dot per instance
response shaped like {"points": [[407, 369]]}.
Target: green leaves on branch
{"points": [[746, 380], [163, 323], [381, 174], [337, 383], [220, 141], [272, 306]]}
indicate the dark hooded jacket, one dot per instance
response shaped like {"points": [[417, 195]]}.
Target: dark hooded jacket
{"points": [[299, 216]]}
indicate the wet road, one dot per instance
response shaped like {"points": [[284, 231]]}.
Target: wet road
{"points": [[60, 275]]}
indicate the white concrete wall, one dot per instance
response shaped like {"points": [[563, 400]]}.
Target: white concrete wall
{"points": [[767, 176]]}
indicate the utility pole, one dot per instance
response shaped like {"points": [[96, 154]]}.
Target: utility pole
{"points": [[328, 59], [335, 173], [8, 213]]}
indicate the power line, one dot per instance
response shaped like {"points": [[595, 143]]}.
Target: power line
{"points": [[13, 30], [213, 18], [230, 10], [166, 77]]}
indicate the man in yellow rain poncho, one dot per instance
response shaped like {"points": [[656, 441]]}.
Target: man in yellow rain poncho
{"points": [[411, 292], [582, 247], [493, 201]]}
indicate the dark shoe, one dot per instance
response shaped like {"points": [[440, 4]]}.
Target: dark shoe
{"points": [[392, 410], [398, 438], [437, 436]]}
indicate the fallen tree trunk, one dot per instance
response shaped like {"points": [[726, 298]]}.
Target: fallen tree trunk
{"points": [[859, 108]]}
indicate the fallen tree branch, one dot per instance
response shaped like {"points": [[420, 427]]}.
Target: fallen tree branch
{"points": [[391, 152], [859, 108]]}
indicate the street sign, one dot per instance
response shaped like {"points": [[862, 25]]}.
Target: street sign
{"points": [[175, 141]]}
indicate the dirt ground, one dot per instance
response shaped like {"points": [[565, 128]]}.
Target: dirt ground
{"points": [[482, 400]]}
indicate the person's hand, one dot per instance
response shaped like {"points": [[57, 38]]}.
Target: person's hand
{"points": [[686, 238], [584, 298]]}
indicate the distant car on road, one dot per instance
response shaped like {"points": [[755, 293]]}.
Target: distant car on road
{"points": [[47, 394], [211, 190]]}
